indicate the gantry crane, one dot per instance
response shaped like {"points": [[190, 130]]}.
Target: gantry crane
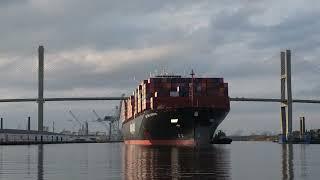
{"points": [[107, 120], [82, 128]]}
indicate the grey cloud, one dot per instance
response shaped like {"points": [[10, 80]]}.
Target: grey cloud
{"points": [[103, 24], [296, 34], [312, 92]]}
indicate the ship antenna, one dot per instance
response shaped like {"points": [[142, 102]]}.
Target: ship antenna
{"points": [[192, 87]]}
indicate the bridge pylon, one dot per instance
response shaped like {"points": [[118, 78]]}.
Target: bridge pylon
{"points": [[286, 96]]}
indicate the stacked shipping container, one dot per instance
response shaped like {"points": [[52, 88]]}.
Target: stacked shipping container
{"points": [[124, 110], [130, 107], [146, 94], [174, 92]]}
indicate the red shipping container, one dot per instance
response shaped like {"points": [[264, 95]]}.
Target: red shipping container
{"points": [[155, 93], [170, 102]]}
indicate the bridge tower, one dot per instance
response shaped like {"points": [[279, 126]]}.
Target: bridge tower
{"points": [[40, 99], [286, 96]]}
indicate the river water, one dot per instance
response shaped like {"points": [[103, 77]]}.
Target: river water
{"points": [[240, 160]]}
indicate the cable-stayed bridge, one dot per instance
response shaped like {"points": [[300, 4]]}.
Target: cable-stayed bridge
{"points": [[286, 99]]}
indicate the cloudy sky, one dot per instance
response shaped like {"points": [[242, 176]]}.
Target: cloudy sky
{"points": [[102, 48]]}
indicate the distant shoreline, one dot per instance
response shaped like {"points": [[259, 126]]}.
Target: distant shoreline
{"points": [[253, 138]]}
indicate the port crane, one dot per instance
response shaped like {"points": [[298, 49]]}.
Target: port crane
{"points": [[107, 119], [113, 122], [99, 119], [81, 128]]}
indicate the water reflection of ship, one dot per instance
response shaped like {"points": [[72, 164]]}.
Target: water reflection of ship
{"points": [[140, 162]]}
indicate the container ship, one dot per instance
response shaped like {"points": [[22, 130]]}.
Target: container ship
{"points": [[174, 110]]}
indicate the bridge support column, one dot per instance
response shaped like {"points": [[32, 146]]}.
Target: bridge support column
{"points": [[283, 112], [40, 87], [283, 123], [289, 94], [286, 95]]}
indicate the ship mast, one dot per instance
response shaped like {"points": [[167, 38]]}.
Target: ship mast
{"points": [[192, 87]]}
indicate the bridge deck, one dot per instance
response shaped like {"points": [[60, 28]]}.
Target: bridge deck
{"points": [[122, 98]]}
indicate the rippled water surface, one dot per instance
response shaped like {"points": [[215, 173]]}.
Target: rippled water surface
{"points": [[240, 160]]}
